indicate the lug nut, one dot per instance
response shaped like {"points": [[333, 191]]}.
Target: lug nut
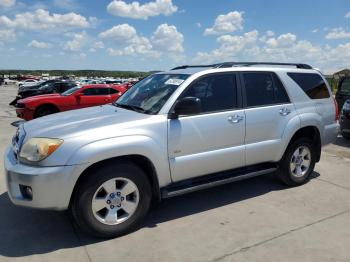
{"points": [[122, 198], [119, 205], [111, 195], [111, 206], [118, 193], [108, 201]]}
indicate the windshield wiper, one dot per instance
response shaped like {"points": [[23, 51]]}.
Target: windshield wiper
{"points": [[131, 107]]}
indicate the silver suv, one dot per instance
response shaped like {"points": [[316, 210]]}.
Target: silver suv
{"points": [[172, 133]]}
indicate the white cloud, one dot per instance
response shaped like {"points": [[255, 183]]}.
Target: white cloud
{"points": [[7, 3], [139, 46], [78, 40], [347, 15], [37, 44], [127, 40], [120, 33], [42, 19], [97, 45], [167, 38], [136, 10], [80, 56], [7, 35], [284, 40], [315, 30], [228, 23], [338, 33], [199, 25], [283, 48]]}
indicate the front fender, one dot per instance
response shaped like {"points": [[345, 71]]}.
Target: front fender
{"points": [[122, 146]]}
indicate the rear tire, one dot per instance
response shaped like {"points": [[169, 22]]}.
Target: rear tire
{"points": [[101, 219], [297, 163]]}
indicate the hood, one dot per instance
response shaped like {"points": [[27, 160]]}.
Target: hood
{"points": [[84, 122], [38, 97]]}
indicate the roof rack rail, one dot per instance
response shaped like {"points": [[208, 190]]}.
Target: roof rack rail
{"points": [[231, 64], [190, 66]]}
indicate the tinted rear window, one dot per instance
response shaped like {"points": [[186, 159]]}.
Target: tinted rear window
{"points": [[263, 88], [312, 84]]}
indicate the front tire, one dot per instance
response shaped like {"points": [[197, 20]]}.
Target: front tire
{"points": [[346, 136], [297, 163], [44, 111], [112, 200]]}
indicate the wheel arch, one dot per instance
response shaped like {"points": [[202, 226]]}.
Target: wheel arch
{"points": [[311, 132], [141, 161]]}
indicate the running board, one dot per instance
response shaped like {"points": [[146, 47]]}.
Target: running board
{"points": [[203, 182]]}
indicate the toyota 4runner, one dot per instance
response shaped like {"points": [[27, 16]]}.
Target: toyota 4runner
{"points": [[172, 133]]}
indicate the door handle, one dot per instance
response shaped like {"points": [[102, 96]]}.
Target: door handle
{"points": [[235, 119], [284, 111]]}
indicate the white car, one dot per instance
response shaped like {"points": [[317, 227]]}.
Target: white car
{"points": [[27, 82]]}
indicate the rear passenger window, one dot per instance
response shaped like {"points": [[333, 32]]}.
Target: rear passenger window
{"points": [[216, 92], [312, 84], [263, 88], [96, 91], [113, 91]]}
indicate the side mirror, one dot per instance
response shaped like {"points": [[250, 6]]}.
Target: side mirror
{"points": [[186, 106]]}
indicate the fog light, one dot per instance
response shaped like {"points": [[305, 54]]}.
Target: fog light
{"points": [[26, 192]]}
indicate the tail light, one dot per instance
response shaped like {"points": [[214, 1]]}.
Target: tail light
{"points": [[336, 109]]}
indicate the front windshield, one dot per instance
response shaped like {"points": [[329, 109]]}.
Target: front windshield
{"points": [[150, 94], [70, 91]]}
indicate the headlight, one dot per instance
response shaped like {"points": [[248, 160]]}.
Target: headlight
{"points": [[37, 149]]}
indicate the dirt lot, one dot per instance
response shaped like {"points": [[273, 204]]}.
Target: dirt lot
{"points": [[253, 220]]}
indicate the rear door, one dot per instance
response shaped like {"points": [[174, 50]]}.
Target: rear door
{"points": [[343, 92], [267, 110]]}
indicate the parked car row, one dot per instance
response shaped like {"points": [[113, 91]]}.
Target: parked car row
{"points": [[73, 98]]}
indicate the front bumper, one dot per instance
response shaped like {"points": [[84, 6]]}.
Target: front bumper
{"points": [[25, 113], [345, 126], [51, 186]]}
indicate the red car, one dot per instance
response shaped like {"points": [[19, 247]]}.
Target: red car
{"points": [[74, 98]]}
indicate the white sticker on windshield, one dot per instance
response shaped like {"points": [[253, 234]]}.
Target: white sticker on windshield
{"points": [[174, 81]]}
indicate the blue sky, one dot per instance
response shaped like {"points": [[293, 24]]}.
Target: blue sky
{"points": [[159, 34]]}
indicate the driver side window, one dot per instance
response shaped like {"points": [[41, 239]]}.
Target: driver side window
{"points": [[217, 92]]}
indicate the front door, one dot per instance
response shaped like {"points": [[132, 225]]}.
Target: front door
{"points": [[94, 96], [213, 140]]}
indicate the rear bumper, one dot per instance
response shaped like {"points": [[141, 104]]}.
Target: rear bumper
{"points": [[330, 133]]}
